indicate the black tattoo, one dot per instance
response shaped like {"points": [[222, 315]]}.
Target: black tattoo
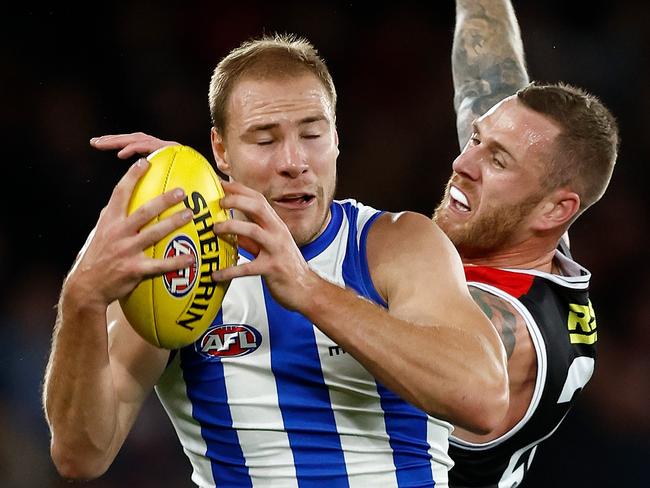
{"points": [[487, 59], [502, 318]]}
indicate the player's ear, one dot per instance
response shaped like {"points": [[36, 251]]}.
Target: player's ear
{"points": [[336, 142], [558, 209], [219, 151]]}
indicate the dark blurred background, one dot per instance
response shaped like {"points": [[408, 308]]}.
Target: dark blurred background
{"points": [[70, 74]]}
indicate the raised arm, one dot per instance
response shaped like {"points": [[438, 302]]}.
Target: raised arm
{"points": [[487, 59], [100, 371]]}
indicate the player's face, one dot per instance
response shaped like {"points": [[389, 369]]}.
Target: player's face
{"points": [[281, 140], [497, 180]]}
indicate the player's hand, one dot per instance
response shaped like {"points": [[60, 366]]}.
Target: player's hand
{"points": [[266, 236], [130, 144], [112, 262]]}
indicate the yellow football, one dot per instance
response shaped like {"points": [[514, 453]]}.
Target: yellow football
{"points": [[173, 310]]}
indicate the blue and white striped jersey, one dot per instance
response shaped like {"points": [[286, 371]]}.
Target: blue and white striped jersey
{"points": [[265, 399]]}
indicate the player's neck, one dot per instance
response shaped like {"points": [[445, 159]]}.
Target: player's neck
{"points": [[525, 255]]}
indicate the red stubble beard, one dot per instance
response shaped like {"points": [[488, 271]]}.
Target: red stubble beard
{"points": [[489, 229]]}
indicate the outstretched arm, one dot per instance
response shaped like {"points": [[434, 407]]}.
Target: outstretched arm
{"points": [[487, 59]]}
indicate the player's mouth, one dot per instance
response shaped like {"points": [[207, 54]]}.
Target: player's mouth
{"points": [[295, 201], [458, 201]]}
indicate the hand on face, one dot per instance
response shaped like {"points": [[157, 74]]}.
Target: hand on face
{"points": [[113, 262], [266, 236], [128, 145]]}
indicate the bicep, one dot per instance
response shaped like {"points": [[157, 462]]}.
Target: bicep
{"points": [[422, 279]]}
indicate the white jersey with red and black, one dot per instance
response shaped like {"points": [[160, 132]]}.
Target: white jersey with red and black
{"points": [[562, 325]]}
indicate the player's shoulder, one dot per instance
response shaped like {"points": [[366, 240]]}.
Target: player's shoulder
{"points": [[408, 249], [409, 236], [408, 230], [408, 223]]}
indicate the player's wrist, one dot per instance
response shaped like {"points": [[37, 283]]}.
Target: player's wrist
{"points": [[81, 298], [306, 288]]}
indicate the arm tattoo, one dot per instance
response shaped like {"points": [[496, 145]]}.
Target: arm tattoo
{"points": [[488, 62], [502, 318]]}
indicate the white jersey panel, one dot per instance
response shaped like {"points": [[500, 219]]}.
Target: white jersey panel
{"points": [[259, 424], [366, 445], [265, 399], [179, 409]]}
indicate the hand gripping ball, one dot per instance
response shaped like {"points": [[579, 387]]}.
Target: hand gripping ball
{"points": [[174, 309]]}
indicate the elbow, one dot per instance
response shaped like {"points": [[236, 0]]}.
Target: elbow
{"points": [[480, 412], [486, 394], [72, 465], [480, 405], [487, 412], [486, 405]]}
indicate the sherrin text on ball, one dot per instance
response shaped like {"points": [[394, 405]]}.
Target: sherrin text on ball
{"points": [[173, 310]]}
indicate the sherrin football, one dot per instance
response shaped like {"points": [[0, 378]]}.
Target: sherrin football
{"points": [[173, 310]]}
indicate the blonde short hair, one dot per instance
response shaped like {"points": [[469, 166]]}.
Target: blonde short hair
{"points": [[276, 56]]}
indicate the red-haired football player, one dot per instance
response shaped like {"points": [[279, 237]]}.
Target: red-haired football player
{"points": [[534, 158]]}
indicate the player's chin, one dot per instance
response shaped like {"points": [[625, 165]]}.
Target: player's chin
{"points": [[303, 234], [451, 227], [450, 220], [304, 231]]}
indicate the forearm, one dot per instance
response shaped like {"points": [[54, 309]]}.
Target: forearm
{"points": [[79, 395], [488, 61], [446, 371]]}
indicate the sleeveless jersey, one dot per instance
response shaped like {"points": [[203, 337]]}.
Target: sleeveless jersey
{"points": [[562, 325], [264, 398]]}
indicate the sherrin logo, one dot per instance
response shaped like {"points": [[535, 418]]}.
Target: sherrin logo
{"points": [[208, 244], [228, 340], [180, 282]]}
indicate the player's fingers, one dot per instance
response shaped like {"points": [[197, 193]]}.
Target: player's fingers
{"points": [[129, 144], [154, 233], [253, 205], [245, 229], [114, 141], [121, 195], [144, 147], [247, 269], [156, 267], [148, 210], [117, 141]]}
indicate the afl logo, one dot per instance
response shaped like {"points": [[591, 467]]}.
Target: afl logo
{"points": [[228, 340], [180, 282]]}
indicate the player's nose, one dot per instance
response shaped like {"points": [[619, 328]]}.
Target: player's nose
{"points": [[292, 160], [468, 163]]}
